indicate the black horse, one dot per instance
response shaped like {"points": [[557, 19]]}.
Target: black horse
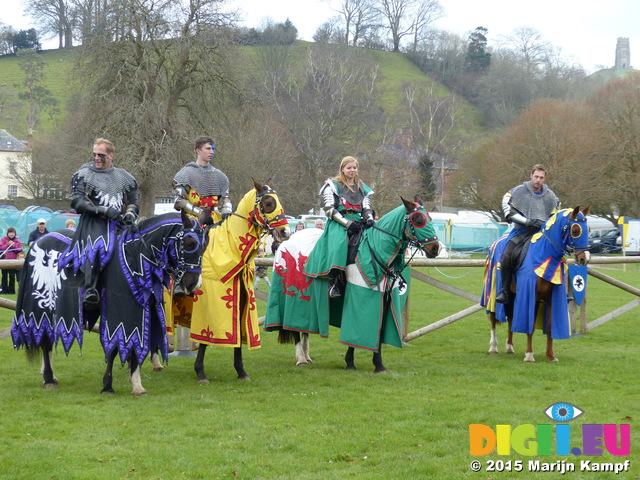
{"points": [[146, 257]]}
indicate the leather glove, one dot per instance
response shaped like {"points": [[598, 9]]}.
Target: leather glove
{"points": [[535, 223], [353, 228], [369, 222], [110, 212], [225, 215]]}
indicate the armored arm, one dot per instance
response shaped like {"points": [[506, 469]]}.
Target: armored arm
{"points": [[226, 208], [329, 202]]}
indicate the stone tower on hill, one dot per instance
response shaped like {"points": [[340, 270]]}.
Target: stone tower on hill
{"points": [[623, 53]]}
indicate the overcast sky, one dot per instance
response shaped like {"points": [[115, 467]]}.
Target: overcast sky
{"points": [[585, 30]]}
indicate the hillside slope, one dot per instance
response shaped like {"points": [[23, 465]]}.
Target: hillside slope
{"points": [[395, 71]]}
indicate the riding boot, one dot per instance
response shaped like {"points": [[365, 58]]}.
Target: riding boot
{"points": [[504, 294], [91, 295]]}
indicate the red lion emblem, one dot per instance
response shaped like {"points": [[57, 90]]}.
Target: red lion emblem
{"points": [[294, 277]]}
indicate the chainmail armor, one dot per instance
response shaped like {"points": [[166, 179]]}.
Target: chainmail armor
{"points": [[111, 187], [206, 181], [526, 202]]}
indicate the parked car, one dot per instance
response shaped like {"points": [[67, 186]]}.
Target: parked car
{"points": [[605, 241]]}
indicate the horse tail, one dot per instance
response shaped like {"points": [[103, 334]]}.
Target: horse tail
{"points": [[287, 336], [34, 353]]}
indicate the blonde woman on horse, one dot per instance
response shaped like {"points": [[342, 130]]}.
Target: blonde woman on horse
{"points": [[347, 204]]}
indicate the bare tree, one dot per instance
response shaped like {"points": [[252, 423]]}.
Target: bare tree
{"points": [[358, 16], [164, 80], [426, 13], [38, 97], [531, 48], [397, 14], [327, 109], [54, 18]]}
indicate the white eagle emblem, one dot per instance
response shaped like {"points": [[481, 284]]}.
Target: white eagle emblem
{"points": [[45, 276]]}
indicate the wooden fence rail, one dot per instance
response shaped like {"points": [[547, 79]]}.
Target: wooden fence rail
{"points": [[424, 262]]}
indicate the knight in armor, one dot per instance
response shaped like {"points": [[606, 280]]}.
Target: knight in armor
{"points": [[527, 206], [200, 188], [107, 198], [347, 205]]}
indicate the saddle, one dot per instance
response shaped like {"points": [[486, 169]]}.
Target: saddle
{"points": [[521, 245]]}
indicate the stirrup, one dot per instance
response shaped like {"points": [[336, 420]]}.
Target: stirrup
{"points": [[334, 291]]}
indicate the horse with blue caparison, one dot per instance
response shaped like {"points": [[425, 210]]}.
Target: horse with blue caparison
{"points": [[539, 283]]}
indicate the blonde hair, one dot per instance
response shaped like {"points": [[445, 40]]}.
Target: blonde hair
{"points": [[107, 144], [341, 178], [70, 223]]}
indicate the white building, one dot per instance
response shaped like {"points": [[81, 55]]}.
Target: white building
{"points": [[12, 152]]}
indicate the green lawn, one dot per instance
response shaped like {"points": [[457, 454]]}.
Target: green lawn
{"points": [[320, 421]]}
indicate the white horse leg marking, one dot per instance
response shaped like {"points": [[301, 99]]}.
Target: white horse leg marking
{"points": [[528, 357], [136, 383], [508, 347], [493, 343], [155, 361], [305, 347], [301, 359]]}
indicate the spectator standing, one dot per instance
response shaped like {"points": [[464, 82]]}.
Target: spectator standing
{"points": [[39, 231], [10, 246]]}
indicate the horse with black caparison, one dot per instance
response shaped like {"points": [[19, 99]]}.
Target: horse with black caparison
{"points": [[146, 257], [369, 314], [223, 311], [539, 282]]}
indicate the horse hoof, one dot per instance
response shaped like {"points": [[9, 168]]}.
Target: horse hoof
{"points": [[348, 367], [509, 349], [203, 380], [553, 360], [529, 359], [383, 370], [50, 386], [139, 393], [493, 352], [158, 369], [109, 391], [246, 378]]}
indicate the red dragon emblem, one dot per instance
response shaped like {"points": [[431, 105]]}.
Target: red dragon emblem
{"points": [[293, 277]]}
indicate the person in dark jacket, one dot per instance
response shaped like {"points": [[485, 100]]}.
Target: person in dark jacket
{"points": [[39, 231]]}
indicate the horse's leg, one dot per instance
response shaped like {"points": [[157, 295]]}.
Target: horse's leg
{"points": [[107, 379], [377, 361], [550, 355], [237, 364], [305, 347], [198, 366], [528, 353], [300, 358], [136, 378], [155, 361], [50, 380], [349, 359], [508, 348], [493, 342]]}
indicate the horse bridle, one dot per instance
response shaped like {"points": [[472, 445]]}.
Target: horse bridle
{"points": [[569, 248], [409, 238], [261, 213], [182, 266]]}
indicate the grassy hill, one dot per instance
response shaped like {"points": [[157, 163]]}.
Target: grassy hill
{"points": [[57, 79], [395, 71]]}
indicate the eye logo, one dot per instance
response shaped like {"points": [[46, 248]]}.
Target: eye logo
{"points": [[563, 412]]}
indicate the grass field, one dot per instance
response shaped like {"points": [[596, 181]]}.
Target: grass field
{"points": [[321, 421]]}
